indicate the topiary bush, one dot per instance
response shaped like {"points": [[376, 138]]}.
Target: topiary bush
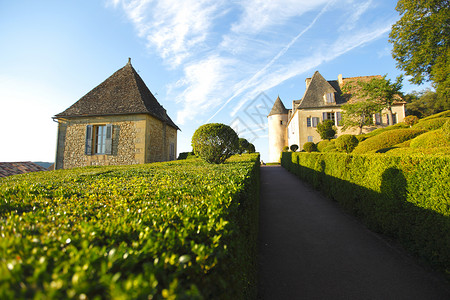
{"points": [[387, 139], [444, 114], [285, 149], [384, 129], [431, 124], [431, 139], [346, 142], [294, 147], [411, 120], [322, 145], [215, 142], [326, 129], [446, 130], [310, 147]]}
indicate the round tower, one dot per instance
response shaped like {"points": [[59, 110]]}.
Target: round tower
{"points": [[278, 119]]}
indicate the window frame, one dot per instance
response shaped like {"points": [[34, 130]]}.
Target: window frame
{"points": [[99, 139]]}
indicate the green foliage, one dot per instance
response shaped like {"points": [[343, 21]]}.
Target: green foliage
{"points": [[387, 139], [285, 149], [251, 148], [384, 129], [444, 114], [186, 155], [411, 120], [446, 130], [425, 103], [379, 93], [346, 143], [421, 42], [294, 147], [181, 229], [404, 197], [309, 147], [326, 129], [243, 145], [431, 124], [432, 139], [437, 151], [215, 142], [322, 144], [359, 114], [361, 137]]}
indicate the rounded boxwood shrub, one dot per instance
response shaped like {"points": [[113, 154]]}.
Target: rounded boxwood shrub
{"points": [[294, 147], [431, 124], [387, 139], [322, 145], [431, 139], [411, 120], [444, 114], [215, 142], [310, 147], [285, 149], [446, 130], [346, 142]]}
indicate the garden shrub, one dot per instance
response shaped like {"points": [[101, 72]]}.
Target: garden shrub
{"points": [[431, 139], [294, 147], [309, 147], [326, 129], [431, 124], [444, 114], [384, 129], [346, 143], [387, 139], [322, 144], [215, 142], [361, 137], [411, 120], [186, 155], [285, 149], [178, 230], [404, 197], [446, 130], [439, 151]]}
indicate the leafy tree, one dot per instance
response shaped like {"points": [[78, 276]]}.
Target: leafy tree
{"points": [[251, 148], [378, 90], [215, 142], [243, 145], [359, 114], [326, 129], [411, 120], [425, 103], [294, 147], [421, 42]]}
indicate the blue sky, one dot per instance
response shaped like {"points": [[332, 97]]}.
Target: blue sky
{"points": [[205, 61]]}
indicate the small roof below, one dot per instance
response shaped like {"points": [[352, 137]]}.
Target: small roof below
{"points": [[123, 93], [278, 108], [14, 168]]}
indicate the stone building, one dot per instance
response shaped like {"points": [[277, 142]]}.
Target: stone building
{"points": [[119, 122], [322, 101]]}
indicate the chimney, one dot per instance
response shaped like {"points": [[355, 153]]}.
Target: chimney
{"points": [[340, 79], [307, 81]]}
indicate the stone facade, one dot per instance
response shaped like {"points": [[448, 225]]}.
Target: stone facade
{"points": [[136, 139]]}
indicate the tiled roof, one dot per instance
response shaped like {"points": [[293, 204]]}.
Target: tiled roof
{"points": [[14, 168], [122, 93], [318, 86], [278, 108]]}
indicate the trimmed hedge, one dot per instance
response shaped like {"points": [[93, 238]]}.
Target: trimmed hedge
{"points": [[405, 197], [346, 143], [387, 139], [384, 129], [309, 147], [183, 229], [431, 124], [322, 145], [431, 139], [419, 151], [444, 114]]}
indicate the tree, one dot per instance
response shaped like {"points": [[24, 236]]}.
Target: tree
{"points": [[359, 114], [425, 103], [421, 42], [243, 145], [378, 90], [346, 142], [326, 129], [294, 147], [215, 142], [251, 148]]}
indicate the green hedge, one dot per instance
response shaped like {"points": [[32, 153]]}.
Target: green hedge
{"points": [[384, 129], [184, 229], [431, 124], [387, 139], [444, 114], [431, 139], [405, 197]]}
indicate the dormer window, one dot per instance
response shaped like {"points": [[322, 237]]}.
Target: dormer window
{"points": [[329, 98]]}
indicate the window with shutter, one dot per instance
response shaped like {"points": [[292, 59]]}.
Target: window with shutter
{"points": [[310, 138], [108, 139], [338, 118], [88, 143], [315, 121], [308, 122]]}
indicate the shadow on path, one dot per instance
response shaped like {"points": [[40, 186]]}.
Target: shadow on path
{"points": [[310, 249]]}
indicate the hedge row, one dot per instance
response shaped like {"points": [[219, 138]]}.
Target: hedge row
{"points": [[405, 197], [387, 139], [183, 229]]}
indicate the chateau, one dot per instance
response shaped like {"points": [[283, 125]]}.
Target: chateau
{"points": [[119, 122], [322, 101]]}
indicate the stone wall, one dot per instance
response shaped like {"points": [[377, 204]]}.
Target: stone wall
{"points": [[136, 139]]}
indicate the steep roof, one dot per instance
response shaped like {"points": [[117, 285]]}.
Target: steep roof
{"points": [[278, 108], [14, 168], [124, 92], [318, 86]]}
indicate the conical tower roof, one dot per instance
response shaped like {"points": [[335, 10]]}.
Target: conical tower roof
{"points": [[278, 108], [124, 92]]}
